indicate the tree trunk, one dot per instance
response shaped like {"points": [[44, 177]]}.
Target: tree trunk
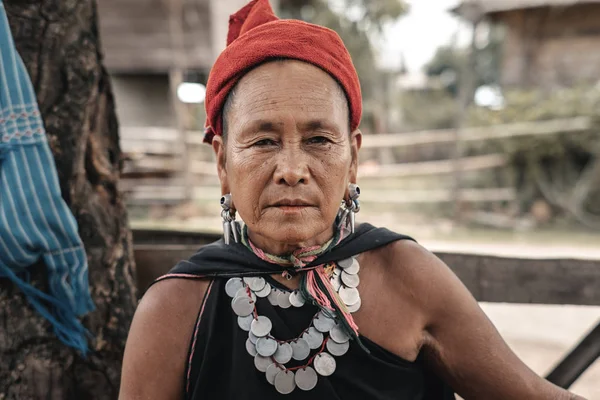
{"points": [[58, 41]]}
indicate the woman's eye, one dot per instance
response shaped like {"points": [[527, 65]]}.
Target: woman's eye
{"points": [[318, 140], [265, 143]]}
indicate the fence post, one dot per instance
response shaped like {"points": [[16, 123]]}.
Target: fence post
{"points": [[467, 82]]}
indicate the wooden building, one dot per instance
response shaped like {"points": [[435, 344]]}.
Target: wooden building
{"points": [[143, 40], [548, 43]]}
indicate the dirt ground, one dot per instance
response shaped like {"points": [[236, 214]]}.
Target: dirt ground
{"points": [[542, 334]]}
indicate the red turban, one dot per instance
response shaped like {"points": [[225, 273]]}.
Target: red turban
{"points": [[256, 35]]}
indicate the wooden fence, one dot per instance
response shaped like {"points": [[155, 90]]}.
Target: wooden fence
{"points": [[156, 173]]}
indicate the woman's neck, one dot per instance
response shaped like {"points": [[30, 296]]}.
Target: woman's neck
{"points": [[279, 248]]}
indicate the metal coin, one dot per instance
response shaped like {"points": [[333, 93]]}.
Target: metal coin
{"points": [[243, 292], [251, 348], [313, 337], [252, 336], [350, 280], [283, 300], [271, 372], [265, 346], [245, 322], [324, 364], [349, 296], [273, 297], [262, 363], [233, 285], [355, 307], [284, 353], [337, 349], [242, 306], [346, 263], [323, 323], [353, 268], [306, 378], [255, 283], [300, 349], [297, 299], [338, 334], [285, 382], [261, 326], [266, 290]]}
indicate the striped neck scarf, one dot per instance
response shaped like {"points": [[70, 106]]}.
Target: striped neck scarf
{"points": [[315, 284]]}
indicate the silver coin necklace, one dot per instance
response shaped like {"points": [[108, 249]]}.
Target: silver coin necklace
{"points": [[325, 333]]}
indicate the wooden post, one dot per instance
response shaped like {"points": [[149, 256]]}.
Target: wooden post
{"points": [[175, 79], [466, 90], [382, 117]]}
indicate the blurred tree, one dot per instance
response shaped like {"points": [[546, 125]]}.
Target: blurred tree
{"points": [[58, 41], [357, 22], [449, 60], [447, 63]]}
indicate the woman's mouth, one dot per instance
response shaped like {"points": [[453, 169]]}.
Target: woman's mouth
{"points": [[290, 206]]}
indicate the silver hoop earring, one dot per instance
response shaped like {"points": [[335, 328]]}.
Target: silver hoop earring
{"points": [[231, 227], [349, 208]]}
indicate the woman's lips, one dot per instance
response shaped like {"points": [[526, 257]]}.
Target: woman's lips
{"points": [[292, 209], [290, 206], [292, 203]]}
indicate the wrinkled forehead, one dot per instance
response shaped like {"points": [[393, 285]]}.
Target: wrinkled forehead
{"points": [[290, 86]]}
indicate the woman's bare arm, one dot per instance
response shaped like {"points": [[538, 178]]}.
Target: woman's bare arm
{"points": [[159, 340], [460, 341]]}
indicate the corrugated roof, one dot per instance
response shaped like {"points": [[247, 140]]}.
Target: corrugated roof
{"points": [[495, 6]]}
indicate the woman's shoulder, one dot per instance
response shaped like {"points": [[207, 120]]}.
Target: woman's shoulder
{"points": [[410, 266], [400, 248], [172, 301], [173, 293], [163, 321]]}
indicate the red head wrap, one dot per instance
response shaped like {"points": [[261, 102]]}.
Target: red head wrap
{"points": [[257, 35]]}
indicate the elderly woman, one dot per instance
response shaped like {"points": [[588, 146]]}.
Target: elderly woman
{"points": [[300, 303]]}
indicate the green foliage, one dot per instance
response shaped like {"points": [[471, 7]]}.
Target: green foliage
{"points": [[449, 61], [537, 105], [376, 13], [549, 167]]}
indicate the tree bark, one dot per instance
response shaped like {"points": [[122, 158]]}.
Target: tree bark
{"points": [[58, 41]]}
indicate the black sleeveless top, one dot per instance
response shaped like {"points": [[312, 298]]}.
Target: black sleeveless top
{"points": [[219, 366]]}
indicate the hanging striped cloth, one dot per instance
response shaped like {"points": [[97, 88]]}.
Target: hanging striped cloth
{"points": [[35, 222]]}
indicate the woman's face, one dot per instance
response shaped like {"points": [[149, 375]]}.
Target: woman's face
{"points": [[288, 156]]}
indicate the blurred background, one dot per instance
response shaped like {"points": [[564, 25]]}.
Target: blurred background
{"points": [[481, 129]]}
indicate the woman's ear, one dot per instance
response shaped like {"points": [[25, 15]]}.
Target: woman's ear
{"points": [[220, 150], [355, 143]]}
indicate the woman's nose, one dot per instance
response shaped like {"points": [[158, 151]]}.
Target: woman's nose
{"points": [[292, 167]]}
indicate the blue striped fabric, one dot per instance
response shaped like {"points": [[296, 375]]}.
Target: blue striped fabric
{"points": [[35, 223]]}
